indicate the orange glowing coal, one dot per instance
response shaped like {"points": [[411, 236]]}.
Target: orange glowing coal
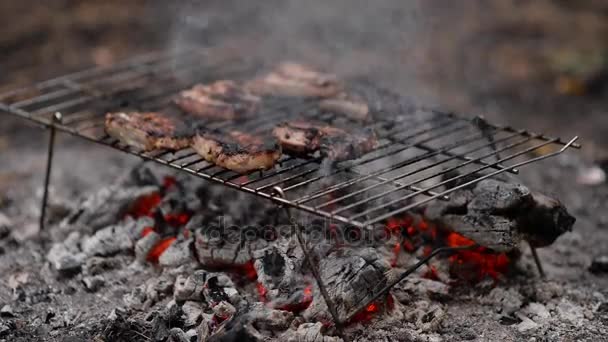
{"points": [[472, 265]]}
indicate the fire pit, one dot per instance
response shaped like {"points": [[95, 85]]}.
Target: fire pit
{"points": [[333, 242]]}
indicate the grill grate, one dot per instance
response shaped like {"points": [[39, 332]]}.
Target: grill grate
{"points": [[423, 154]]}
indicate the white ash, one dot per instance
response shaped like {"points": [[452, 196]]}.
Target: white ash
{"points": [[93, 283], [308, 332], [66, 256], [108, 241], [193, 313], [504, 301]]}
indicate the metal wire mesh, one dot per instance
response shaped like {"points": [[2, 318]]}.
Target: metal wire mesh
{"points": [[422, 155]]}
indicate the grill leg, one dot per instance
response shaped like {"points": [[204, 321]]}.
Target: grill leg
{"points": [[49, 166], [300, 237], [539, 264]]}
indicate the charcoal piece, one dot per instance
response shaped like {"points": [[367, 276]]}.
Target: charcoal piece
{"points": [[190, 288], [279, 270], [250, 323], [104, 207], [498, 215], [351, 279], [178, 335], [599, 265], [219, 287], [145, 245], [179, 253], [135, 227], [231, 246], [5, 226], [93, 283], [141, 175], [309, 332], [65, 256], [108, 241], [193, 313]]}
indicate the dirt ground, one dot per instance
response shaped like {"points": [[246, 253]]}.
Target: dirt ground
{"points": [[538, 64]]}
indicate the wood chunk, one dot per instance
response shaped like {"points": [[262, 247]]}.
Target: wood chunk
{"points": [[498, 215]]}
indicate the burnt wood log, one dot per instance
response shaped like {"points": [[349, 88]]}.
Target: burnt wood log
{"points": [[351, 279], [498, 215]]}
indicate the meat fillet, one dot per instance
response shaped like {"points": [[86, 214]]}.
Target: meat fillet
{"points": [[237, 151], [336, 144], [297, 80], [347, 105], [149, 130], [221, 100]]}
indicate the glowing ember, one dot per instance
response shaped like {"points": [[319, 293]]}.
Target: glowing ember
{"points": [[373, 309], [472, 265], [160, 247], [177, 220], [262, 291], [145, 205], [147, 231], [169, 182]]}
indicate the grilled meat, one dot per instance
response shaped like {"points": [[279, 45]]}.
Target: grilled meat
{"points": [[292, 79], [221, 100], [149, 130], [334, 143], [237, 151], [350, 106]]}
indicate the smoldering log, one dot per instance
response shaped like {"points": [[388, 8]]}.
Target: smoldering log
{"points": [[351, 279], [499, 214]]}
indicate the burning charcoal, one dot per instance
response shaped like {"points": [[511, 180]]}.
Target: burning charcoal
{"points": [[497, 214], [308, 332], [228, 246], [193, 313], [219, 287], [103, 208], [350, 280], [599, 265], [108, 241], [93, 283], [145, 245], [179, 253], [223, 310], [136, 227], [65, 256], [280, 276]]}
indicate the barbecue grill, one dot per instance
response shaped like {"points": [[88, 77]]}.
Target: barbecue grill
{"points": [[423, 154]]}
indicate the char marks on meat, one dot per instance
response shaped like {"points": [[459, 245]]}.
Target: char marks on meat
{"points": [[237, 151], [298, 137], [296, 80], [221, 100], [149, 130]]}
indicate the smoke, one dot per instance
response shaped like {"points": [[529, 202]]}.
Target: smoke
{"points": [[383, 40]]}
